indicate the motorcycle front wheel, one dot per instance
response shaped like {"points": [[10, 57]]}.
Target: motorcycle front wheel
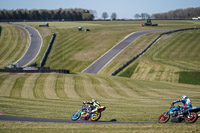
{"points": [[192, 118], [164, 118], [96, 116], [76, 116]]}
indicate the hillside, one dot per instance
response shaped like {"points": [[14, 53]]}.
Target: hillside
{"points": [[170, 55], [13, 43], [143, 92], [37, 95], [76, 50]]}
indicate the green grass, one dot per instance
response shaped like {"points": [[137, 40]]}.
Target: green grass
{"points": [[189, 78], [13, 43], [42, 95], [134, 99], [129, 72], [90, 128], [59, 95], [75, 50], [180, 50], [171, 54]]}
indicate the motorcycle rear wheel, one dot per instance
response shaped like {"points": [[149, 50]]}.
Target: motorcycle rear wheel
{"points": [[193, 118], [76, 116], [164, 118], [96, 117]]}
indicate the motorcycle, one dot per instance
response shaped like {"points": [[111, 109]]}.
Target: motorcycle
{"points": [[189, 115], [85, 114]]}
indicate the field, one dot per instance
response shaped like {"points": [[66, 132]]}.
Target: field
{"points": [[13, 43], [140, 94]]}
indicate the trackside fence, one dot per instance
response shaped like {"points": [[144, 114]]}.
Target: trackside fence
{"points": [[43, 61], [40, 70], [141, 53]]}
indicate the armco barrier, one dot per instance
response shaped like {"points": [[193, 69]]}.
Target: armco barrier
{"points": [[141, 53], [43, 61], [40, 70]]}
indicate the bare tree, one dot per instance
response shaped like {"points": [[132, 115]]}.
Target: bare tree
{"points": [[114, 16], [137, 16], [188, 13], [94, 13], [104, 15], [145, 15]]}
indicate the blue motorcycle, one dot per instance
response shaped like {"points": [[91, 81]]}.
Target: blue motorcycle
{"points": [[178, 115]]}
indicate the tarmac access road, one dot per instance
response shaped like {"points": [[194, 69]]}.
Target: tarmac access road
{"points": [[101, 62], [34, 46], [31, 119]]}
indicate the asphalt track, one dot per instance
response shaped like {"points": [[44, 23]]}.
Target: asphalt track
{"points": [[31, 119], [34, 46], [101, 62]]}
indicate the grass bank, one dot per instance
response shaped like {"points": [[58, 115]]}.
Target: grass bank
{"points": [[14, 42]]}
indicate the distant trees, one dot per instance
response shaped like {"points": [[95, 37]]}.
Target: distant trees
{"points": [[137, 16], [46, 15], [142, 16], [114, 16], [179, 14], [104, 15], [94, 13]]}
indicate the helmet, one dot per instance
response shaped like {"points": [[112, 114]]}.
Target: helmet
{"points": [[94, 100], [184, 98]]}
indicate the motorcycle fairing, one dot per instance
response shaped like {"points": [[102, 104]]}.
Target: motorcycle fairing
{"points": [[193, 109]]}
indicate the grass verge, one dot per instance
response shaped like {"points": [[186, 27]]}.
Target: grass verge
{"points": [[189, 78]]}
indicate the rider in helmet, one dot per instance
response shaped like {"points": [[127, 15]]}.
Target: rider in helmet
{"points": [[186, 102], [93, 105]]}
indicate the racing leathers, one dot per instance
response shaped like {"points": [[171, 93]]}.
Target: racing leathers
{"points": [[93, 106], [186, 103]]}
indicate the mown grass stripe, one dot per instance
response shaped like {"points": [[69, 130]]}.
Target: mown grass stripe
{"points": [[39, 86], [97, 86], [7, 85], [70, 87], [18, 86], [29, 84], [7, 34], [79, 88], [22, 44], [90, 88], [108, 89], [49, 86], [11, 50], [59, 86], [113, 83]]}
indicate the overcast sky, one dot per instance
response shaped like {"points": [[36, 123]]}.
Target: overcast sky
{"points": [[123, 8]]}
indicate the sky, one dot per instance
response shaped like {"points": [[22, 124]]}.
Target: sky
{"points": [[125, 9]]}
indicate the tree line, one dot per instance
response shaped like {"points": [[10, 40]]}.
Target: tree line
{"points": [[46, 15], [188, 13]]}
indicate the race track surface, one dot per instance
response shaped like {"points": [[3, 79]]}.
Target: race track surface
{"points": [[30, 119], [34, 46], [101, 62]]}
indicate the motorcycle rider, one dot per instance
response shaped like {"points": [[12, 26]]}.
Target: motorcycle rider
{"points": [[94, 104], [186, 102]]}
